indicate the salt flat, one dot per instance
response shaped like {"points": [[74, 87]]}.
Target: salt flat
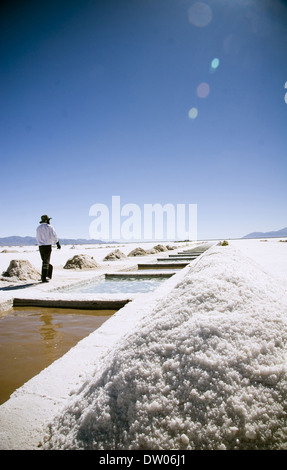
{"points": [[199, 364]]}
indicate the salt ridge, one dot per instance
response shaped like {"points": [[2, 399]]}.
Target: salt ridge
{"points": [[205, 369]]}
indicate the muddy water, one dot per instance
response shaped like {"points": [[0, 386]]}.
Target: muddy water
{"points": [[32, 338]]}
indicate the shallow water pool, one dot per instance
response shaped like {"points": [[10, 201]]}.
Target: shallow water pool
{"points": [[118, 284], [32, 338]]}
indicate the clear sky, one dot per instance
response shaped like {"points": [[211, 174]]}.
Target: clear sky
{"points": [[155, 101]]}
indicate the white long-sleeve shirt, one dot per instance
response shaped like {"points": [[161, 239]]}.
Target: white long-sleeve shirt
{"points": [[46, 235]]}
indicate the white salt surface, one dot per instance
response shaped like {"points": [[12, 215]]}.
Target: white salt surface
{"points": [[66, 277], [205, 369], [202, 366]]}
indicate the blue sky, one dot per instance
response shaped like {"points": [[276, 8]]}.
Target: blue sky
{"points": [[125, 98]]}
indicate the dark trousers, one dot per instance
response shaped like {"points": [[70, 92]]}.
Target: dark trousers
{"points": [[45, 252]]}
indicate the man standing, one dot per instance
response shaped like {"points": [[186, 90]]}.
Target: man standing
{"points": [[46, 236]]}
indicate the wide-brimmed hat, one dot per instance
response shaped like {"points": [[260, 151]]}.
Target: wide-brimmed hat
{"points": [[45, 219]]}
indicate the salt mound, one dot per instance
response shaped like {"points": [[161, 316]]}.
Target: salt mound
{"points": [[114, 255], [137, 252], [81, 262], [204, 370], [152, 251], [159, 248], [22, 270]]}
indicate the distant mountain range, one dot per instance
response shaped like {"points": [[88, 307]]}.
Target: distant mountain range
{"points": [[24, 241], [278, 234]]}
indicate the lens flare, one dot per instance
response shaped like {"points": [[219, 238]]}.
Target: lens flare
{"points": [[215, 63], [203, 90], [200, 14], [193, 113]]}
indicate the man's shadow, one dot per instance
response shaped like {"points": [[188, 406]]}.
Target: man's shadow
{"points": [[22, 286]]}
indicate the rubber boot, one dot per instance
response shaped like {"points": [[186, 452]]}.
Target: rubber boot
{"points": [[50, 271], [44, 275]]}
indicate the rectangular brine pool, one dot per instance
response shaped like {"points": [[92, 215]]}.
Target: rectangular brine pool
{"points": [[32, 338], [120, 284]]}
